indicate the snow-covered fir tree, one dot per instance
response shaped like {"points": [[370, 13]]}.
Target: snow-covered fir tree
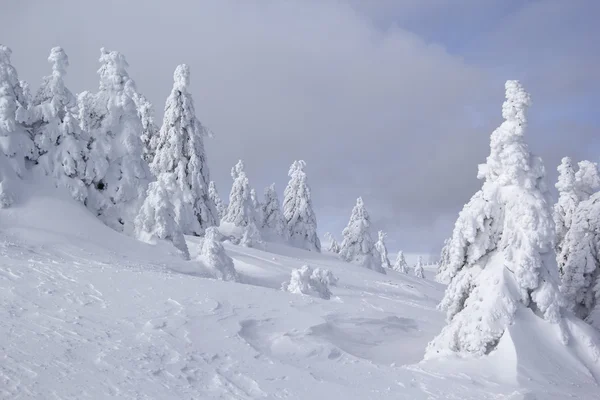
{"points": [[501, 256], [251, 236], [334, 246], [581, 261], [298, 212], [443, 262], [150, 130], [213, 194], [357, 246], [272, 218], [382, 249], [419, 272], [116, 174], [573, 188], [60, 145], [156, 218], [180, 152], [15, 140], [257, 205], [213, 255], [400, 264], [240, 211]]}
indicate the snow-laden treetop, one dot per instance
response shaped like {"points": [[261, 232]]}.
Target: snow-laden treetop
{"points": [[181, 77], [59, 61], [113, 72]]}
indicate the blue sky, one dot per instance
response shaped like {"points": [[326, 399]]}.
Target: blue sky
{"points": [[390, 100]]}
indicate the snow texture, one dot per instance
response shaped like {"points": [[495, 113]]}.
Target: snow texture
{"points": [[501, 251], [213, 255], [298, 211], [156, 218], [241, 210], [382, 249], [357, 246], [180, 153], [312, 282]]}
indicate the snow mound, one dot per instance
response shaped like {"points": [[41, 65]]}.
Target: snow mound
{"points": [[314, 282]]}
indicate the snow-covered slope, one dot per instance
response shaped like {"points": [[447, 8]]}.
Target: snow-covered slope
{"points": [[86, 312]]}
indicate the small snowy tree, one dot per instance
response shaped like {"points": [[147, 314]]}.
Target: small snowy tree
{"points": [[180, 152], [581, 270], [213, 194], [15, 140], [213, 255], [251, 236], [156, 219], [401, 265], [334, 247], [500, 253], [357, 246], [240, 211], [309, 281], [419, 272], [272, 218], [573, 188], [298, 212], [149, 128], [382, 249], [116, 174]]}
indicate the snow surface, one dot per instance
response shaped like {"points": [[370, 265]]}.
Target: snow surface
{"points": [[89, 313]]}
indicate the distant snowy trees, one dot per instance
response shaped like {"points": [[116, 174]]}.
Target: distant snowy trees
{"points": [[500, 253], [357, 246], [272, 217], [213, 255], [419, 272], [180, 152], [213, 194], [309, 281], [400, 264], [334, 247], [240, 211], [382, 249], [298, 212]]}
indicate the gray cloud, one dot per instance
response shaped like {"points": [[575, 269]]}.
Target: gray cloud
{"points": [[387, 111]]}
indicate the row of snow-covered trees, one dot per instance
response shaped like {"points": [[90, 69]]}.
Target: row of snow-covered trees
{"points": [[139, 178], [510, 250]]}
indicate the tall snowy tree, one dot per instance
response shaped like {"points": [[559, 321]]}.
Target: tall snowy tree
{"points": [[298, 212], [213, 194], [573, 188], [156, 218], [500, 254], [15, 141], [115, 172], [180, 152], [357, 246], [272, 218], [419, 272], [240, 211], [382, 249], [60, 145], [400, 264]]}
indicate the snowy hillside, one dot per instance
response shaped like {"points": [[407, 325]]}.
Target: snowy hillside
{"points": [[86, 312]]}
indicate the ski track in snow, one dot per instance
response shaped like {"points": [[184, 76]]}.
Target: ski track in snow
{"points": [[80, 322]]}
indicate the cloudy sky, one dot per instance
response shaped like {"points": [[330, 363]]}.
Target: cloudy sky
{"points": [[391, 100]]}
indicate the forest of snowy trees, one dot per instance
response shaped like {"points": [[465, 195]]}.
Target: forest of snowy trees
{"points": [[511, 248]]}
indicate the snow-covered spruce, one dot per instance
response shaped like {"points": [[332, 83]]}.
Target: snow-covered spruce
{"points": [[298, 212], [150, 130], [382, 249], [419, 272], [272, 218], [309, 281], [501, 251], [573, 188], [213, 255], [240, 211], [180, 152], [213, 194], [60, 144], [334, 246], [400, 264], [251, 237], [116, 175], [15, 141], [581, 271], [156, 218], [258, 217], [443, 262], [357, 246]]}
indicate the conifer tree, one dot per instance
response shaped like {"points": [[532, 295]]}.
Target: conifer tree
{"points": [[240, 211], [298, 212], [213, 255], [400, 264], [272, 218], [213, 194], [382, 249], [357, 246], [180, 152], [419, 272], [334, 246]]}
